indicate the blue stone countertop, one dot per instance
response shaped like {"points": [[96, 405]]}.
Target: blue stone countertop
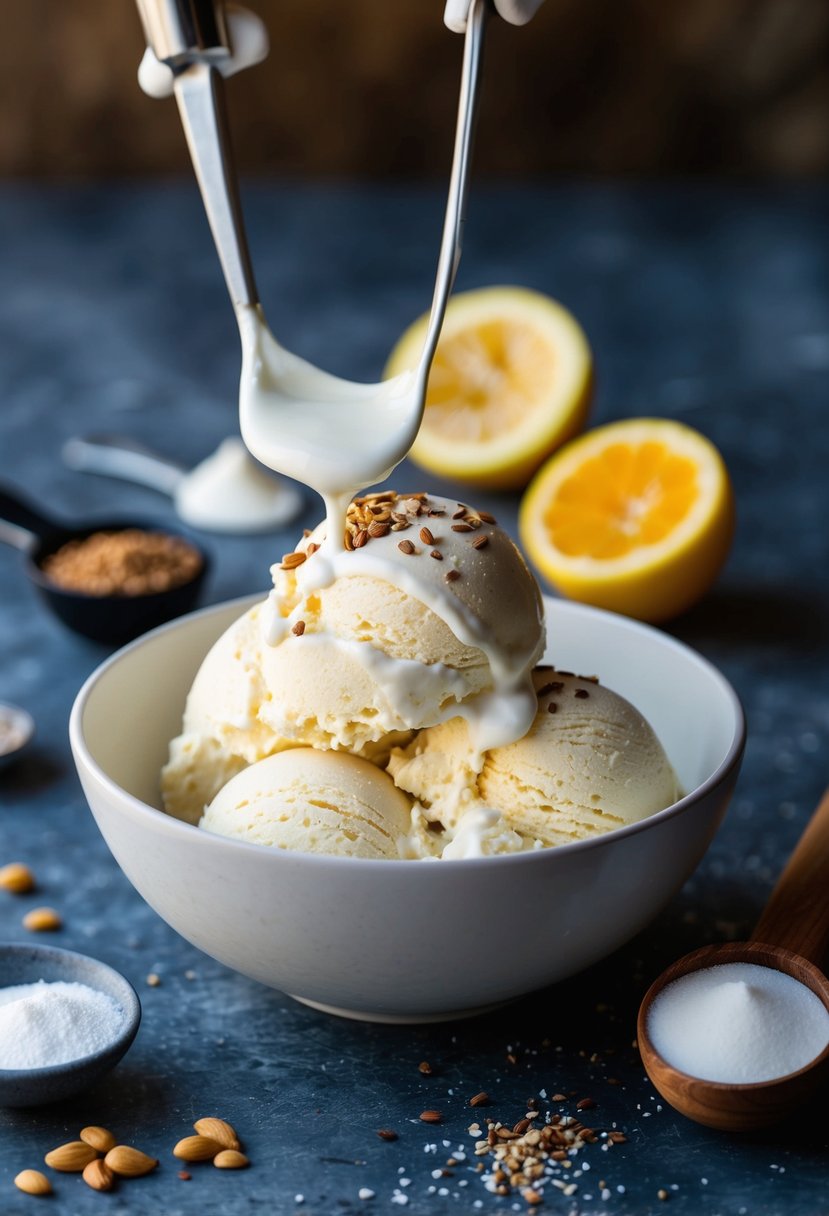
{"points": [[703, 303]]}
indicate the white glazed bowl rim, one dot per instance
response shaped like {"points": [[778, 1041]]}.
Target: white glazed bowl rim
{"points": [[317, 861]]}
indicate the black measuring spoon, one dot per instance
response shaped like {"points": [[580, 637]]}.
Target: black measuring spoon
{"points": [[113, 619]]}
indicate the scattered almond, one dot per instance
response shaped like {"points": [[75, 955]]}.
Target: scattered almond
{"points": [[430, 1116], [218, 1130], [230, 1159], [99, 1138], [42, 920], [480, 1099], [196, 1148], [129, 1162], [32, 1182], [17, 878], [70, 1158], [98, 1175]]}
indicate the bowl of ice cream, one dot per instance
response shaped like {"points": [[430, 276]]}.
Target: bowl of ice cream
{"points": [[347, 790]]}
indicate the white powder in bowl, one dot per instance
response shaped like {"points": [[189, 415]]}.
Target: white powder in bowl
{"points": [[43, 1024], [738, 1023]]}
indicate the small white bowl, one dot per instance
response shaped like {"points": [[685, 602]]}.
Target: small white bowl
{"points": [[403, 940]]}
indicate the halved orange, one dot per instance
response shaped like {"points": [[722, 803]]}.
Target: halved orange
{"points": [[636, 516], [510, 382]]}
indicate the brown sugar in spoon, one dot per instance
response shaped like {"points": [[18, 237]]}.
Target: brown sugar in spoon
{"points": [[792, 936]]}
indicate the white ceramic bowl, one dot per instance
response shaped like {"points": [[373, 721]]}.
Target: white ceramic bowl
{"points": [[404, 940]]}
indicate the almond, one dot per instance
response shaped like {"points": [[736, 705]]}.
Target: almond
{"points": [[71, 1158], [99, 1138], [17, 878], [196, 1148], [42, 920], [98, 1175], [218, 1130], [230, 1159], [129, 1162], [32, 1182]]}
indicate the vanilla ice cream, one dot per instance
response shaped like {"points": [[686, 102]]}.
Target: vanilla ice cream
{"points": [[429, 611], [312, 801], [589, 763]]}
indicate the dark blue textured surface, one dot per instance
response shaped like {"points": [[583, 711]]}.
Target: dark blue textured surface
{"points": [[706, 304]]}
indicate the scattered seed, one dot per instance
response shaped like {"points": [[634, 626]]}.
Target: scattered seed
{"points": [[552, 708], [662, 1194], [32, 1182], [559, 1098], [17, 878], [452, 575], [481, 1099], [98, 1175], [184, 1176], [299, 628], [582, 694], [230, 1159], [426, 536], [552, 686], [425, 1067], [42, 920], [462, 528], [480, 542], [406, 546], [290, 561], [487, 518], [99, 1138], [585, 1104], [153, 981], [617, 1137], [312, 548], [437, 555], [385, 1133], [430, 1116]]}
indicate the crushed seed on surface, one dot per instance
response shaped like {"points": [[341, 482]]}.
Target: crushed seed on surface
{"points": [[487, 518], [552, 708], [551, 686]]}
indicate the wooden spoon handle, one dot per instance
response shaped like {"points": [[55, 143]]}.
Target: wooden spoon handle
{"points": [[797, 915]]}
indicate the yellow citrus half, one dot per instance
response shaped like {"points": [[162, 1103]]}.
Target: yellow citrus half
{"points": [[636, 516], [509, 384]]}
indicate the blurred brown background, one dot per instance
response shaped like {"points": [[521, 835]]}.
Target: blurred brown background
{"points": [[368, 87]]}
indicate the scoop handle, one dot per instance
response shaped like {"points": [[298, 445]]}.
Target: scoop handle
{"points": [[797, 915], [20, 524]]}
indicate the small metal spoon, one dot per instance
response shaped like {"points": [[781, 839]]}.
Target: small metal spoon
{"points": [[792, 936], [113, 619], [241, 500]]}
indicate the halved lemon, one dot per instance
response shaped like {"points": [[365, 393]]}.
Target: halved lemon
{"points": [[636, 516], [510, 383]]}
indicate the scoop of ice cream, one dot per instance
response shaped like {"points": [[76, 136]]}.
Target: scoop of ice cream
{"points": [[431, 612], [313, 801], [221, 733], [589, 763]]}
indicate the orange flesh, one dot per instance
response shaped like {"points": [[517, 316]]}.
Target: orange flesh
{"points": [[484, 379], [628, 496]]}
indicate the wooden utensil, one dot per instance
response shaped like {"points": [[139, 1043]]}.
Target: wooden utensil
{"points": [[792, 936]]}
